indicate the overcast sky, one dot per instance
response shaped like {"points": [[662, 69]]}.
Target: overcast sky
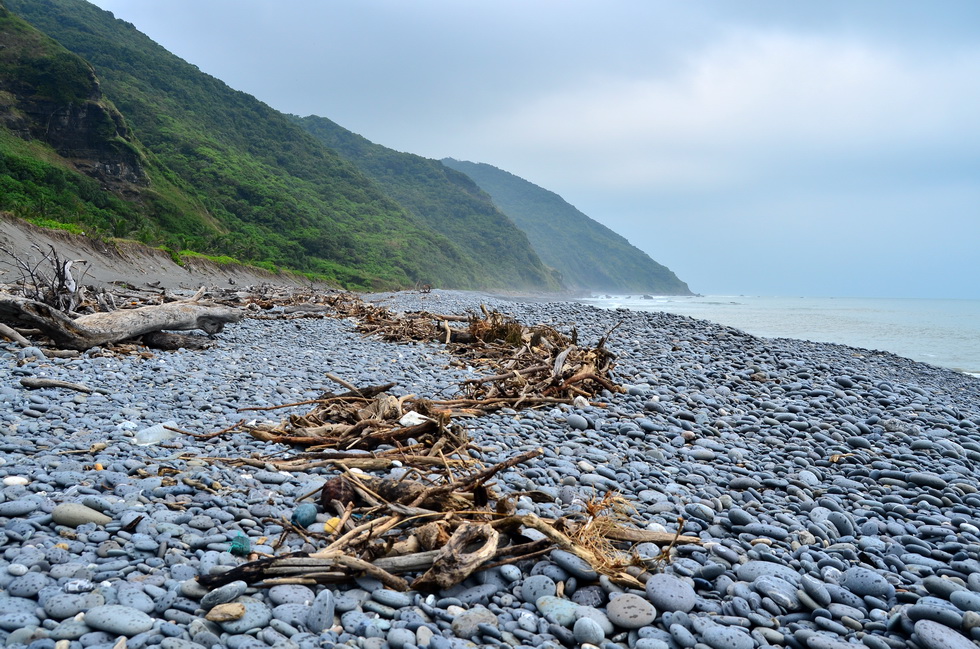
{"points": [[825, 148]]}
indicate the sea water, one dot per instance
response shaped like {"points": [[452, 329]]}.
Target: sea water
{"points": [[945, 333]]}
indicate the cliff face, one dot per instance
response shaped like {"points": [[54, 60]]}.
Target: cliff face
{"points": [[52, 95]]}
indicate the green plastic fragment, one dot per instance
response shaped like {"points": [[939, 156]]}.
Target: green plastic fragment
{"points": [[240, 545]]}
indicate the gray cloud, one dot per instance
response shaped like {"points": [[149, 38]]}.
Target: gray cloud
{"points": [[755, 147]]}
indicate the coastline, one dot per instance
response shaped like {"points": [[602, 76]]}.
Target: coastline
{"points": [[821, 480], [935, 331]]}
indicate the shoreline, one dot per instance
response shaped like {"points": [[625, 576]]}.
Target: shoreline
{"points": [[822, 482], [905, 331]]}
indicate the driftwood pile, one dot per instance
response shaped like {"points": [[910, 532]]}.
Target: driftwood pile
{"points": [[435, 514], [441, 519], [52, 302], [442, 528], [525, 365]]}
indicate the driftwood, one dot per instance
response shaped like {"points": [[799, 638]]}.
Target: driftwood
{"points": [[444, 530], [36, 383], [14, 335], [97, 329], [457, 560]]}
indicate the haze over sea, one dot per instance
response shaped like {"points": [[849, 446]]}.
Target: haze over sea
{"points": [[945, 333]]}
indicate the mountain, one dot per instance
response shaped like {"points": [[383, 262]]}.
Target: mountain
{"points": [[212, 169], [443, 199], [66, 152], [588, 255]]}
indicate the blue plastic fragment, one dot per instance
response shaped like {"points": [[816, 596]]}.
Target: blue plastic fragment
{"points": [[304, 515]]}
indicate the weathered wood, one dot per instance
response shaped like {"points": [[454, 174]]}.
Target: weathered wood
{"points": [[457, 560], [34, 383], [12, 334], [634, 535], [97, 329]]}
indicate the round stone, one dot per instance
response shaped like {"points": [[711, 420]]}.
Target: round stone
{"points": [[630, 611], [751, 570], [965, 600], [933, 635], [537, 586], [862, 581], [392, 598], [510, 572], [587, 631], [927, 479], [577, 422], [19, 507], [723, 637], [28, 585], [121, 620], [257, 614], [321, 612], [75, 514], [399, 638], [562, 611], [670, 593], [467, 624], [290, 594], [224, 594], [574, 565]]}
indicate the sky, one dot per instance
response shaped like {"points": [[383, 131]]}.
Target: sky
{"points": [[759, 147]]}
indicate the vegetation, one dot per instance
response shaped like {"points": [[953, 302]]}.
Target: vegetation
{"points": [[588, 254], [37, 186], [227, 174], [444, 200], [157, 151]]}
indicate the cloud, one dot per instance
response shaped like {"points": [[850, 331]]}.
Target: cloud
{"points": [[735, 110]]}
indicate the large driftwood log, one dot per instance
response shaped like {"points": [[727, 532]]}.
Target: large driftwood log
{"points": [[103, 328]]}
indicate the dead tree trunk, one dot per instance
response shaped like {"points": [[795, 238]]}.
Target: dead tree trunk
{"points": [[102, 328]]}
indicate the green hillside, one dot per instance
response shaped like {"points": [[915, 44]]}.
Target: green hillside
{"points": [[588, 255], [443, 199], [67, 156], [252, 183]]}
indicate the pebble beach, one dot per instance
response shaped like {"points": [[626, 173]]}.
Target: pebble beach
{"points": [[834, 491]]}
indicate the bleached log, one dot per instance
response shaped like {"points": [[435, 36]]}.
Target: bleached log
{"points": [[103, 328]]}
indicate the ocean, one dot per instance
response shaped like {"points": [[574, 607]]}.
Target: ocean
{"points": [[945, 333]]}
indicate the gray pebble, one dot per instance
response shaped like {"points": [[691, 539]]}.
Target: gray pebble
{"points": [[630, 611]]}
